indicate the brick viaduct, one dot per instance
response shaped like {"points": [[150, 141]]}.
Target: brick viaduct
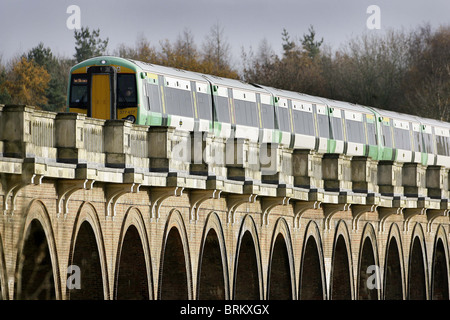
{"points": [[110, 203]]}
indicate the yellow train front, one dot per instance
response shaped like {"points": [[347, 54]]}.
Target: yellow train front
{"points": [[104, 88]]}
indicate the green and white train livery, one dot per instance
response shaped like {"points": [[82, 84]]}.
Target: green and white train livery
{"points": [[110, 87]]}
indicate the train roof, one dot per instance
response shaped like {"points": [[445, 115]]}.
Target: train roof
{"points": [[345, 105], [290, 94], [174, 72], [233, 83], [395, 115]]}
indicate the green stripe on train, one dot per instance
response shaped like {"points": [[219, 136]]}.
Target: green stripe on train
{"points": [[331, 146], [154, 119]]}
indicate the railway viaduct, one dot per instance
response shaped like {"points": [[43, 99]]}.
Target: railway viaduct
{"points": [[96, 209]]}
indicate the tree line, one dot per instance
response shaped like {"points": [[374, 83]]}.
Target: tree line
{"points": [[404, 71]]}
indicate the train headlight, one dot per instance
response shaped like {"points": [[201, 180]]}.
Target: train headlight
{"points": [[130, 118], [103, 62]]}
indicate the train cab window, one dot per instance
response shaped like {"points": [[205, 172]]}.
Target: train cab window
{"points": [[267, 112], [402, 136], [126, 91], [204, 104], [245, 108], [303, 118], [221, 105], [79, 91]]}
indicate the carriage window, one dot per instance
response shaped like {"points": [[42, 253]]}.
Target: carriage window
{"points": [[387, 135], [222, 109], [126, 90], [402, 139], [442, 145], [79, 91], [283, 116], [428, 142], [355, 131], [204, 104], [371, 133], [324, 125], [246, 113], [417, 141], [178, 97], [268, 116], [153, 96], [336, 125], [304, 122]]}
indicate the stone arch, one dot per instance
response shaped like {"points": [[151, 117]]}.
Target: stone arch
{"points": [[369, 277], [341, 277], [171, 279], [394, 273], [37, 260], [87, 252], [133, 276], [440, 269], [418, 266], [248, 282], [213, 278], [312, 283], [281, 270]]}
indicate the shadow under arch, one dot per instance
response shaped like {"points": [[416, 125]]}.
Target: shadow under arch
{"points": [[369, 276], [341, 277], [87, 258], [394, 272], [175, 272], [133, 273], [418, 267], [312, 283], [213, 277], [247, 281], [37, 269], [281, 270], [440, 267]]}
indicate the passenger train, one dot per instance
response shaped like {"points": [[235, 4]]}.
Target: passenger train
{"points": [[110, 87]]}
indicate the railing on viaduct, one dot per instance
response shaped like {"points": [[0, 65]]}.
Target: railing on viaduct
{"points": [[99, 209]]}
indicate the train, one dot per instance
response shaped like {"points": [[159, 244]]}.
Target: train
{"points": [[109, 87]]}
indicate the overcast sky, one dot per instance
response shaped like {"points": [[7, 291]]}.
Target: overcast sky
{"points": [[25, 23]]}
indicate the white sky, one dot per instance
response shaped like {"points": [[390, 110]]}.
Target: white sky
{"points": [[25, 23]]}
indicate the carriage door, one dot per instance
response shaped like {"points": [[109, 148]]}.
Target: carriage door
{"points": [[102, 92]]}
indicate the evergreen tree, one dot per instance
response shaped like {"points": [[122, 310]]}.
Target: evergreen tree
{"points": [[88, 44]]}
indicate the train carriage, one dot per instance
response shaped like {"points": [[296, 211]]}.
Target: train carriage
{"points": [[109, 87], [436, 140]]}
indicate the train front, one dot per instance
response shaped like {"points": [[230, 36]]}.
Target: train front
{"points": [[104, 88]]}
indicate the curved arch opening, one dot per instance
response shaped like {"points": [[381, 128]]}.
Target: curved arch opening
{"points": [[211, 283], [174, 282], [440, 273], [132, 280], [341, 283], [393, 273], [247, 276], [35, 279], [417, 284], [369, 287], [86, 257], [280, 287], [311, 284]]}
